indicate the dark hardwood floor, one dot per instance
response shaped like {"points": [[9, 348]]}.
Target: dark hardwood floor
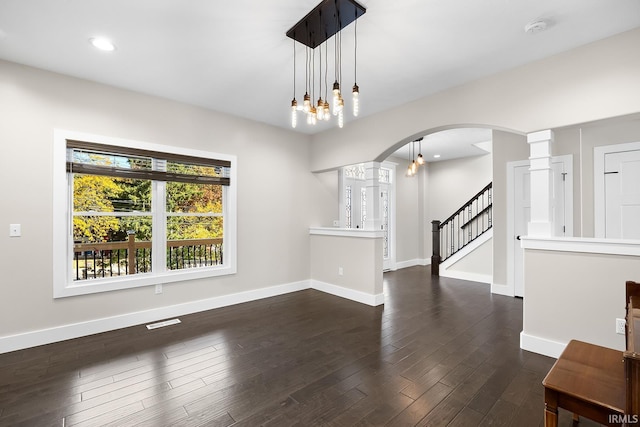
{"points": [[439, 352]]}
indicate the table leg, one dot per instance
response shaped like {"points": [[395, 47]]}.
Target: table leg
{"points": [[550, 408]]}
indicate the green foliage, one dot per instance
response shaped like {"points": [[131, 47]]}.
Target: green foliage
{"points": [[93, 193]]}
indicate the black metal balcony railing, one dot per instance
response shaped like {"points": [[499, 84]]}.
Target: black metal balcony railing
{"points": [[112, 259], [463, 227]]}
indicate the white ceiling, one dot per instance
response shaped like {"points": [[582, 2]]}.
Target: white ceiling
{"points": [[234, 57], [448, 144]]}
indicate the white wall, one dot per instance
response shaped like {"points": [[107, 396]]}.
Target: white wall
{"points": [[325, 201], [589, 83], [275, 193], [450, 184], [507, 147], [351, 263], [477, 265], [409, 224], [574, 295], [580, 140]]}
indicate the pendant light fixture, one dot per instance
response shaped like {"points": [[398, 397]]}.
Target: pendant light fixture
{"points": [[420, 159], [326, 20], [410, 170], [414, 165], [356, 89]]}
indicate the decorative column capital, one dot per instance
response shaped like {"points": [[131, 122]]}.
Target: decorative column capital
{"points": [[540, 136]]}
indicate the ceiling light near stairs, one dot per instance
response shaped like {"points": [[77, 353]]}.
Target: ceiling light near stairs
{"points": [[102, 43]]}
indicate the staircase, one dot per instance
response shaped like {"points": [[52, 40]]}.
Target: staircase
{"points": [[468, 223]]}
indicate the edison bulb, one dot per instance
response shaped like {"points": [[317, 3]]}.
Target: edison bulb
{"points": [[306, 105], [294, 113], [356, 100]]}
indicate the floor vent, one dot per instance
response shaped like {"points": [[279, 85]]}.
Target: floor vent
{"points": [[163, 324]]}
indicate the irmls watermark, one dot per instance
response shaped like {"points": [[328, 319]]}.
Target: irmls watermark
{"points": [[624, 419]]}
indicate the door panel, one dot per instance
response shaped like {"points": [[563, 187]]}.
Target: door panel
{"points": [[622, 195], [522, 217]]}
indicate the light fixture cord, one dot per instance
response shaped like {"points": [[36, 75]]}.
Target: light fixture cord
{"points": [[313, 75], [294, 66], [335, 55], [355, 51], [326, 71], [320, 71], [340, 58]]}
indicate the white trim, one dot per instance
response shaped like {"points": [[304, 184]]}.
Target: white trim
{"points": [[351, 294], [96, 326], [445, 267], [391, 187], [500, 289], [458, 256], [464, 275], [599, 218], [412, 263], [540, 136], [583, 245], [80, 329], [62, 285], [567, 160], [509, 288], [345, 232], [540, 345]]}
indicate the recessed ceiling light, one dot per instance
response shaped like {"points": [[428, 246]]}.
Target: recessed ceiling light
{"points": [[102, 44], [436, 156]]}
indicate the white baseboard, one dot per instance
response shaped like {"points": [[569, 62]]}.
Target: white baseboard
{"points": [[96, 326], [540, 345], [463, 275], [358, 296], [499, 289], [412, 263], [75, 330]]}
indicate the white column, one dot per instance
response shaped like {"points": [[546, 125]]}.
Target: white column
{"points": [[372, 175], [541, 222]]}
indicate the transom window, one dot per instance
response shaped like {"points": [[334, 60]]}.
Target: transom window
{"points": [[142, 214]]}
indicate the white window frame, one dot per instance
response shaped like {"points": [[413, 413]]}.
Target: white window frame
{"points": [[64, 286]]}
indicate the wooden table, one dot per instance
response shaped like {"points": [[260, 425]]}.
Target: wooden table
{"points": [[587, 380]]}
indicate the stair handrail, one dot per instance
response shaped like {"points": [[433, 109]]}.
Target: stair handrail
{"points": [[466, 205], [460, 237]]}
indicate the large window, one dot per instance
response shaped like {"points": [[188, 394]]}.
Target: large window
{"points": [[139, 214]]}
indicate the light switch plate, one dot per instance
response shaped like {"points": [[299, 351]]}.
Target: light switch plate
{"points": [[15, 230]]}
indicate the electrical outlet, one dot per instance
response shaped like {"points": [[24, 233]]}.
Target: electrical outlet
{"points": [[158, 289], [340, 271], [620, 324], [336, 223]]}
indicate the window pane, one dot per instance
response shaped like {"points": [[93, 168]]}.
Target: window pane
{"points": [[114, 160], [194, 241], [186, 169], [108, 194], [110, 246], [194, 198]]}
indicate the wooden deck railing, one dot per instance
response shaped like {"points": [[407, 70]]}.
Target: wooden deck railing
{"points": [[112, 259]]}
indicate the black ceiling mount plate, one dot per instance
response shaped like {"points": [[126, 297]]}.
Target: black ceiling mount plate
{"points": [[324, 21]]}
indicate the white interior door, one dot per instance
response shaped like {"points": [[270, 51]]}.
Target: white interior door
{"points": [[522, 211], [561, 205], [622, 195]]}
